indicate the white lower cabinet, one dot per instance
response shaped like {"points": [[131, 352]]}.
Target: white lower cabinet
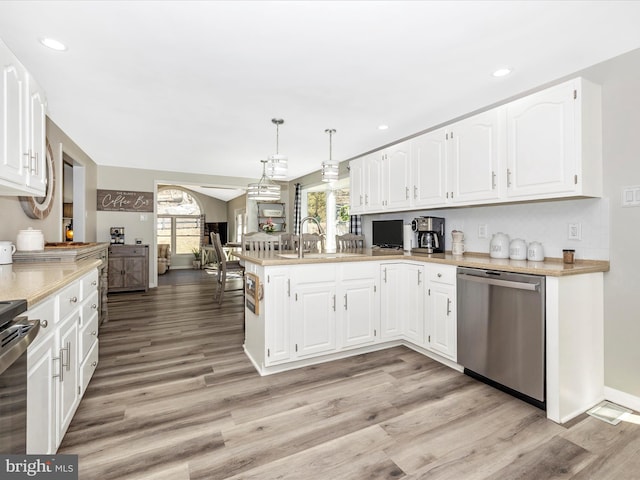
{"points": [[359, 315], [392, 302], [277, 291], [314, 310], [441, 319], [61, 361]]}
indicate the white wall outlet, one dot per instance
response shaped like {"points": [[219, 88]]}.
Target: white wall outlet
{"points": [[631, 196], [482, 230], [575, 231]]}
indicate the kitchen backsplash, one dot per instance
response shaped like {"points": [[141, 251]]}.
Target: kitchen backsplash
{"points": [[545, 222]]}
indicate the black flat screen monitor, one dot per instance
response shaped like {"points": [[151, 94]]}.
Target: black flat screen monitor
{"points": [[387, 233]]}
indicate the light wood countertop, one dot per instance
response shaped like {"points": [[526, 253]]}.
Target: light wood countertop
{"points": [[553, 267], [36, 281]]}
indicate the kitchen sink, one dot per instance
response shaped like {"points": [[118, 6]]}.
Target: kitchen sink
{"points": [[321, 255]]}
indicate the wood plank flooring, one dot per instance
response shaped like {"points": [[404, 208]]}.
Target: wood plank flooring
{"points": [[174, 397]]}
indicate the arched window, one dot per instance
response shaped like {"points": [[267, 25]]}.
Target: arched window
{"points": [[180, 220]]}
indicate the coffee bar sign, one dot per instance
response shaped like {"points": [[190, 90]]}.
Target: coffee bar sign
{"points": [[123, 201]]}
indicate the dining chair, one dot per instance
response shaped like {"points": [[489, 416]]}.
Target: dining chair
{"points": [[289, 241], [224, 267], [260, 241], [349, 241], [312, 241]]}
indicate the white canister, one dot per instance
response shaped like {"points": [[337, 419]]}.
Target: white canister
{"points": [[518, 249], [535, 252], [30, 240], [499, 245], [408, 238], [7, 249]]}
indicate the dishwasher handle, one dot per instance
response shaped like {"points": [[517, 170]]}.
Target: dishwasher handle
{"points": [[500, 283]]}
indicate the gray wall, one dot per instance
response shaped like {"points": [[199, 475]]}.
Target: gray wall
{"points": [[13, 218]]}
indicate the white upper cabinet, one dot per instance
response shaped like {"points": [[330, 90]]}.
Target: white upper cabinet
{"points": [[22, 130], [543, 146], [554, 142], [474, 158], [396, 172], [429, 168]]}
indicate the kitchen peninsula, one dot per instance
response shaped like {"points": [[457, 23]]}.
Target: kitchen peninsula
{"points": [[333, 305]]}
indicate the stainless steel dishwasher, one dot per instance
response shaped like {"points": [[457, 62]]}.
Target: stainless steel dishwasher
{"points": [[501, 331]]}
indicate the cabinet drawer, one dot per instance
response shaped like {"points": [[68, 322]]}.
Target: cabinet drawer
{"points": [[89, 284], [46, 313], [88, 336], [128, 251], [68, 299], [442, 274], [89, 307], [88, 367]]}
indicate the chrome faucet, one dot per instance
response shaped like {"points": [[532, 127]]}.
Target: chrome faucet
{"points": [[300, 242]]}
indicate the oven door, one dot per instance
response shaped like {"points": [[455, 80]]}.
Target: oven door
{"points": [[14, 341]]}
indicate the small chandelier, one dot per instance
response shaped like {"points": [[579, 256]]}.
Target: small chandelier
{"points": [[277, 165], [265, 189], [330, 169]]}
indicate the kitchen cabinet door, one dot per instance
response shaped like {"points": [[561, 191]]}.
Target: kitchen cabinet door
{"points": [[313, 309], [277, 294], [429, 168], [359, 314], [315, 319], [554, 142], [396, 171], [392, 303], [12, 119], [41, 396], [356, 189], [68, 395], [441, 311], [414, 289], [35, 137], [374, 191], [474, 157]]}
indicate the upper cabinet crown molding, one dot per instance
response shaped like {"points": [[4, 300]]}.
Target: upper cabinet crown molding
{"points": [[543, 146], [23, 105]]}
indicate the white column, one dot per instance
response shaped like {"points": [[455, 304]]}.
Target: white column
{"points": [[330, 241]]}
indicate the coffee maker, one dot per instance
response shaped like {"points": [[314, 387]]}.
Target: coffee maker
{"points": [[430, 235]]}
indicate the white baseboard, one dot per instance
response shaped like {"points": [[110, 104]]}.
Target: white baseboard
{"points": [[622, 398]]}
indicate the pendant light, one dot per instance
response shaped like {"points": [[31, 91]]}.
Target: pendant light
{"points": [[277, 166], [330, 169], [265, 189]]}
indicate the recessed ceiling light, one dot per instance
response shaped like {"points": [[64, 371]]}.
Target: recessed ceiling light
{"points": [[383, 127], [53, 44], [502, 72]]}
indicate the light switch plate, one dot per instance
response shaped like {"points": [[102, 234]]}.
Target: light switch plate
{"points": [[575, 231], [482, 230]]}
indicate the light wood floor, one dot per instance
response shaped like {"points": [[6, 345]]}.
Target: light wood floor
{"points": [[174, 397]]}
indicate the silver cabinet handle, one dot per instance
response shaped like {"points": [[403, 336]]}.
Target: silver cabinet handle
{"points": [[60, 375], [415, 192], [94, 364], [508, 177], [493, 180], [44, 323], [94, 283], [439, 275], [94, 306], [345, 301], [334, 303], [360, 200], [448, 306], [406, 193], [385, 274], [68, 364], [93, 333], [366, 199], [288, 287], [419, 279], [73, 300]]}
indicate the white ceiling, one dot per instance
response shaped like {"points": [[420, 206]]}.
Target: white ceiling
{"points": [[192, 86]]}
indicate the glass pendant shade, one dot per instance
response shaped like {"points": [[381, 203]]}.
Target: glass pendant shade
{"points": [[264, 189], [277, 165], [330, 169]]}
